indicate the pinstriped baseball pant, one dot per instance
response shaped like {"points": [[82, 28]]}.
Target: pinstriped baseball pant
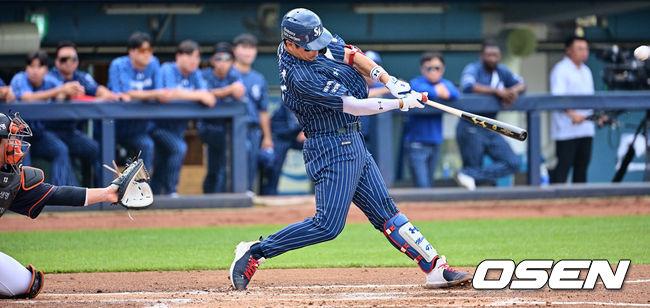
{"points": [[46, 144], [215, 137], [170, 150], [86, 149], [474, 142], [343, 171]]}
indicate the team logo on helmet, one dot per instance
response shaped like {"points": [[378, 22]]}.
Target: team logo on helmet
{"points": [[318, 31]]}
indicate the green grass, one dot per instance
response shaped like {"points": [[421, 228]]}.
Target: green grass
{"points": [[465, 242]]}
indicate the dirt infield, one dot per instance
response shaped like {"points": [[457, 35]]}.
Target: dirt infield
{"points": [[359, 287]]}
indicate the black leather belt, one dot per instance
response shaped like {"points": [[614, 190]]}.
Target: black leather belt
{"points": [[356, 126]]}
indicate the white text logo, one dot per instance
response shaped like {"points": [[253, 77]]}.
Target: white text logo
{"points": [[564, 275]]}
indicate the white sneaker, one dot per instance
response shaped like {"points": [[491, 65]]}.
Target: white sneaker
{"points": [[465, 180], [443, 276]]}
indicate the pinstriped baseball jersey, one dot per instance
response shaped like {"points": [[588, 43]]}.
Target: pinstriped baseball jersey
{"points": [[20, 85], [172, 78], [123, 77], [313, 90], [337, 162], [85, 79]]}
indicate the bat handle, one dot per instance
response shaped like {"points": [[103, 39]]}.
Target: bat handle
{"points": [[424, 97]]}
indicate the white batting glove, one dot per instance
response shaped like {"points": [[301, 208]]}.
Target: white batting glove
{"points": [[398, 88], [414, 100]]}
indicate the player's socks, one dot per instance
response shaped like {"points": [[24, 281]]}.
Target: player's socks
{"points": [[256, 251]]}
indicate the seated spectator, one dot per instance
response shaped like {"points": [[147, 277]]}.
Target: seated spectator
{"points": [[287, 134], [6, 95], [79, 144], [259, 121], [185, 82], [66, 69], [34, 85], [137, 76], [423, 133], [487, 76], [226, 85]]}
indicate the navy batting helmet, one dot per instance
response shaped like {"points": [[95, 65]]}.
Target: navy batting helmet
{"points": [[304, 28]]}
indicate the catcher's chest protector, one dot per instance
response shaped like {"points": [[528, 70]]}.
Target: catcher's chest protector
{"points": [[9, 186]]}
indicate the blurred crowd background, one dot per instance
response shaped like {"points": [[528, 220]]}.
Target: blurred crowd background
{"points": [[224, 52]]}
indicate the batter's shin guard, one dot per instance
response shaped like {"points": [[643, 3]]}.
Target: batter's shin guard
{"points": [[408, 239]]}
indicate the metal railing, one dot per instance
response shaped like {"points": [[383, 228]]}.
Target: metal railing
{"points": [[532, 105], [108, 112]]}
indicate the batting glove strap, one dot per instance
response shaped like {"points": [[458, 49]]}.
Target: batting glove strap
{"points": [[398, 88]]}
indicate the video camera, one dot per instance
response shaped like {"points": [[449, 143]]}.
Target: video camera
{"points": [[624, 72]]}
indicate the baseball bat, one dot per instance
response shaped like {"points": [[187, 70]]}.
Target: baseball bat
{"points": [[485, 122]]}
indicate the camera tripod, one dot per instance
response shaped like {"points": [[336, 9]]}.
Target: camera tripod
{"points": [[629, 155]]}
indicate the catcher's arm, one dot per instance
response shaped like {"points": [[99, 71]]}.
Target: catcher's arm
{"points": [[96, 195]]}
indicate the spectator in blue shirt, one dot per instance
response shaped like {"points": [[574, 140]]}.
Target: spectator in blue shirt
{"points": [[79, 144], [226, 85], [34, 85], [259, 121], [6, 95], [183, 78], [137, 76], [66, 69], [423, 133], [487, 76]]}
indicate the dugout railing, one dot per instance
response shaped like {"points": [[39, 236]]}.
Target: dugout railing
{"points": [[532, 104], [108, 112]]}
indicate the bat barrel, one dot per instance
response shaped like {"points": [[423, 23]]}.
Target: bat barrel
{"points": [[496, 126]]}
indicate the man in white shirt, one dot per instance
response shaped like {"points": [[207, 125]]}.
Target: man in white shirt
{"points": [[572, 132]]}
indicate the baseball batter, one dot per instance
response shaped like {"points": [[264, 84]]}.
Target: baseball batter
{"points": [[322, 82], [23, 191]]}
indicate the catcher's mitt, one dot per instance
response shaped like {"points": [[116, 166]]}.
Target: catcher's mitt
{"points": [[133, 191]]}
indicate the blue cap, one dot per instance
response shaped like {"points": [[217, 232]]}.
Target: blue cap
{"points": [[304, 28], [374, 56]]}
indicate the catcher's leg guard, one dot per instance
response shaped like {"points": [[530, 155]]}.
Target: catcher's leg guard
{"points": [[408, 239], [34, 286]]}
